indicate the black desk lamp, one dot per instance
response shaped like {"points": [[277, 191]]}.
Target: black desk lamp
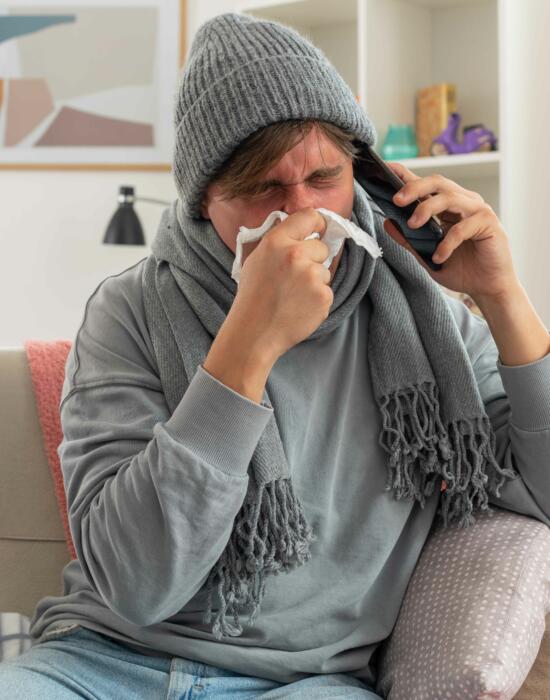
{"points": [[125, 227]]}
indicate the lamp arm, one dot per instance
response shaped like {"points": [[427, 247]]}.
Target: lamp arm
{"points": [[150, 199]]}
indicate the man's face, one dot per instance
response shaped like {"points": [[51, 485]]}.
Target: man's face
{"points": [[315, 173]]}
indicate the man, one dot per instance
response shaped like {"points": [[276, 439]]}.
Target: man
{"points": [[156, 481]]}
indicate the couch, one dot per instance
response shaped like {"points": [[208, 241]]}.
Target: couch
{"points": [[33, 547]]}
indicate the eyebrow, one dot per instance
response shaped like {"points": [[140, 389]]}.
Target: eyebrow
{"points": [[320, 172]]}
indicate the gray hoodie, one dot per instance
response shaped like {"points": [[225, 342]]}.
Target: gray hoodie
{"points": [[152, 496]]}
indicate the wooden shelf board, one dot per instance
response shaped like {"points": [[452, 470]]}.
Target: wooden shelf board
{"points": [[460, 165]]}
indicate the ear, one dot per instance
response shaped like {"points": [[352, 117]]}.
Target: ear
{"points": [[204, 209]]}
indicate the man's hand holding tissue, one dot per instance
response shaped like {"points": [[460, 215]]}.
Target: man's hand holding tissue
{"points": [[284, 293], [283, 297]]}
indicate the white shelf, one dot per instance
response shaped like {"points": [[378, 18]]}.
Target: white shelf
{"points": [[463, 166], [386, 50], [440, 4], [320, 12], [309, 13]]}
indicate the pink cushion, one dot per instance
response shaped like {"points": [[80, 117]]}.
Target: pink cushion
{"points": [[47, 366]]}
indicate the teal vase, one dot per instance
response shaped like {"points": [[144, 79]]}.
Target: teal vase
{"points": [[400, 142]]}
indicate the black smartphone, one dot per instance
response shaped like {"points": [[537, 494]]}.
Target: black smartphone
{"points": [[381, 184]]}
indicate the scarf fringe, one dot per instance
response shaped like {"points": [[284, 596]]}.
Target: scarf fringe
{"points": [[270, 535], [422, 450]]}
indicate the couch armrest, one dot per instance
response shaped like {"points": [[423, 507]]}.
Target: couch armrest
{"points": [[474, 613]]}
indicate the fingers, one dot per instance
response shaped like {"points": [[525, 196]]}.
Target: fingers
{"points": [[404, 173], [318, 251], [302, 223], [297, 227], [326, 274], [407, 176], [457, 234], [456, 203], [423, 187]]}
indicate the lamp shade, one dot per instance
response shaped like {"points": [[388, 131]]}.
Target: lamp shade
{"points": [[125, 227]]}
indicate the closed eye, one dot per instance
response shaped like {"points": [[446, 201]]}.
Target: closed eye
{"points": [[263, 188]]}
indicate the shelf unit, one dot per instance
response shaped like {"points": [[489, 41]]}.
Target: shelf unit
{"points": [[387, 49]]}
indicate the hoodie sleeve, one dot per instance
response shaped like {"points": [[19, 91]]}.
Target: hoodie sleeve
{"points": [[517, 401], [151, 496]]}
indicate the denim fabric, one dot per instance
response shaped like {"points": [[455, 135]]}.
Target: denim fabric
{"points": [[86, 664]]}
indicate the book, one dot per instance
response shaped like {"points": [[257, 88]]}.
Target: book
{"points": [[433, 107]]}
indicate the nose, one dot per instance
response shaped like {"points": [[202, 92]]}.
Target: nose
{"points": [[298, 196]]}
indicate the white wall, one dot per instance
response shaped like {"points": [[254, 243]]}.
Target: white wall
{"points": [[524, 61], [52, 223]]}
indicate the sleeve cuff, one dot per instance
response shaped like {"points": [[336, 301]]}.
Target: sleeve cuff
{"points": [[218, 424], [528, 390]]}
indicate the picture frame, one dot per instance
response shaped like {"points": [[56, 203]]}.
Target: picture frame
{"points": [[91, 87]]}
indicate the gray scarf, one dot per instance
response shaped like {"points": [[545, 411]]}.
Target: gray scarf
{"points": [[434, 423]]}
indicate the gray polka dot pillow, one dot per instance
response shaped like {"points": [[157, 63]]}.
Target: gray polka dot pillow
{"points": [[473, 615]]}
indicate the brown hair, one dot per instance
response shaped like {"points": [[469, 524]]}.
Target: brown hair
{"points": [[259, 152]]}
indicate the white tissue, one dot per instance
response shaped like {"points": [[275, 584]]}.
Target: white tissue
{"points": [[337, 229]]}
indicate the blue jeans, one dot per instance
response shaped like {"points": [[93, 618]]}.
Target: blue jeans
{"points": [[86, 664]]}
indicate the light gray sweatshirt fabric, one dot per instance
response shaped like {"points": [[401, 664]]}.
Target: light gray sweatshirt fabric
{"points": [[152, 496]]}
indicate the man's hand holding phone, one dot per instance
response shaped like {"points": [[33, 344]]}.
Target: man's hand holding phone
{"points": [[475, 250]]}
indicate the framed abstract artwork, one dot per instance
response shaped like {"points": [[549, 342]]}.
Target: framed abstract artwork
{"points": [[89, 84]]}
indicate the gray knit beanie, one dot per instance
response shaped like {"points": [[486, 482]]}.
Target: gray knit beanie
{"points": [[242, 74]]}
